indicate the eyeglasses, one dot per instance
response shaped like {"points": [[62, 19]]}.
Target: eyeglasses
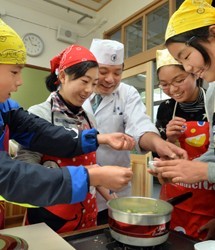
{"points": [[177, 82]]}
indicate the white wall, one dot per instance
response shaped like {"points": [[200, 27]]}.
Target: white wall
{"points": [[24, 20]]}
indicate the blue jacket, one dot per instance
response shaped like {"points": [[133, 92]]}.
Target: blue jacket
{"points": [[29, 183]]}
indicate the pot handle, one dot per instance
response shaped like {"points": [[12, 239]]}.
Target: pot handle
{"points": [[180, 198]]}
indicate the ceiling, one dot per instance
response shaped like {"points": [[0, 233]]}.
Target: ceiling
{"points": [[95, 5], [73, 11]]}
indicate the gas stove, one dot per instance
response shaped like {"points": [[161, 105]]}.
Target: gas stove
{"points": [[101, 239]]}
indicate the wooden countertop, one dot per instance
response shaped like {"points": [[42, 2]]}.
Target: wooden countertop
{"points": [[39, 236]]}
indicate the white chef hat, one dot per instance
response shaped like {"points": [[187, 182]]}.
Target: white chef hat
{"points": [[108, 51]]}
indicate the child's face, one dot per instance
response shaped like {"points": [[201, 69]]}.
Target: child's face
{"points": [[193, 61], [10, 80], [177, 83], [76, 91]]}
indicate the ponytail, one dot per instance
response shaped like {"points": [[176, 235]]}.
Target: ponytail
{"points": [[51, 82]]}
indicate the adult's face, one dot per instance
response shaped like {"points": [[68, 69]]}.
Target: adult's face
{"points": [[109, 78]]}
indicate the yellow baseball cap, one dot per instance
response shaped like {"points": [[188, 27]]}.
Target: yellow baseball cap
{"points": [[164, 58], [12, 48], [192, 14]]}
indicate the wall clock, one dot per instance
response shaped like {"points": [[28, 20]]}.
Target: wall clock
{"points": [[34, 44]]}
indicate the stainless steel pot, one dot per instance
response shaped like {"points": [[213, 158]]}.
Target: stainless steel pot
{"points": [[141, 221]]}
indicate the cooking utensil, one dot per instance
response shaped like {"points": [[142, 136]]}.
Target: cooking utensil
{"points": [[141, 221], [180, 198], [106, 193]]}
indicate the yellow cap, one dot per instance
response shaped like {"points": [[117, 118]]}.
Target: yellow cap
{"points": [[192, 14], [12, 48], [163, 58]]}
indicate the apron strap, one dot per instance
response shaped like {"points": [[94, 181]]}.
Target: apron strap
{"points": [[206, 110]]}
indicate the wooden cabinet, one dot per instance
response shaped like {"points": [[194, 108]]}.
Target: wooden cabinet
{"points": [[14, 214], [142, 180]]}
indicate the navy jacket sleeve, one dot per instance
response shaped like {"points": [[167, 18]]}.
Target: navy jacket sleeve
{"points": [[40, 186], [39, 135], [22, 182], [164, 115]]}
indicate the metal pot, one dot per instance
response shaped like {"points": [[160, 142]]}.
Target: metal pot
{"points": [[141, 221]]}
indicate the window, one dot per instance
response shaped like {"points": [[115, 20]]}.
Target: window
{"points": [[134, 38], [156, 26], [144, 31], [116, 36], [142, 34]]}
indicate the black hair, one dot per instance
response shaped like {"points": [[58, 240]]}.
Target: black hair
{"points": [[199, 82], [78, 70], [192, 38]]}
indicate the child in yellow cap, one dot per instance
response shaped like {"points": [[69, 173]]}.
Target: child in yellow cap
{"points": [[190, 38], [182, 119], [24, 182]]}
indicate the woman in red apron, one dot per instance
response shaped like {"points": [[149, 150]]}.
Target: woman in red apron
{"points": [[74, 74], [183, 120]]}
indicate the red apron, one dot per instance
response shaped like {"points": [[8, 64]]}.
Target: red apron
{"points": [[195, 139], [79, 215], [190, 215], [70, 217]]}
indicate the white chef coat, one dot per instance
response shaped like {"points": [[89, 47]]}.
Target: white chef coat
{"points": [[122, 111]]}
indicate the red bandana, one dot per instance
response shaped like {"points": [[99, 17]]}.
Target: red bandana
{"points": [[72, 55]]}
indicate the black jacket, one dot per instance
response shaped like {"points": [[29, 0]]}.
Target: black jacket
{"points": [[27, 183]]}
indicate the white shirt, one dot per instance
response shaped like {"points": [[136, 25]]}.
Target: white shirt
{"points": [[122, 111]]}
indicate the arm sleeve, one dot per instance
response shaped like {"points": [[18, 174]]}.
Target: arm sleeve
{"points": [[34, 184], [39, 135], [211, 172], [161, 123], [137, 122], [208, 156]]}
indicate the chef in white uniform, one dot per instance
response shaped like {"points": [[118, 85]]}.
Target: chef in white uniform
{"points": [[118, 107]]}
